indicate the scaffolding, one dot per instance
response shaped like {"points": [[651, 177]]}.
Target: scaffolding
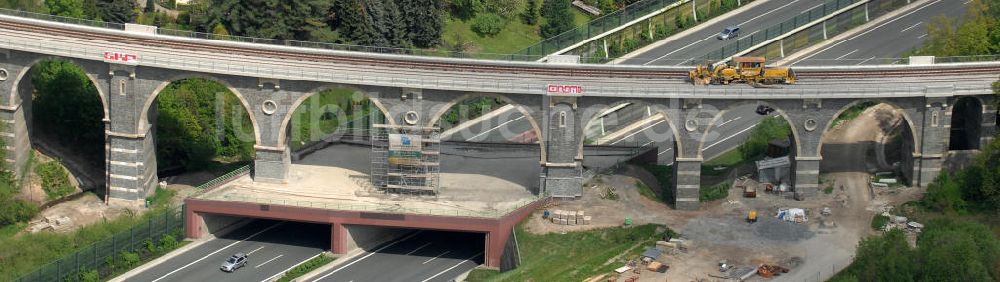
{"points": [[413, 169]]}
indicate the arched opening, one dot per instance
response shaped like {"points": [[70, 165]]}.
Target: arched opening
{"points": [[63, 113], [966, 124], [751, 138], [634, 139], [201, 128], [866, 139], [489, 140], [330, 130]]}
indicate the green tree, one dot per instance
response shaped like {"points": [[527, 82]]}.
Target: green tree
{"points": [[66, 107], [116, 11], [769, 128], [423, 21], [884, 258], [465, 9], [188, 133], [150, 6], [530, 15], [65, 8], [24, 5], [488, 24], [355, 26], [275, 19], [558, 17]]}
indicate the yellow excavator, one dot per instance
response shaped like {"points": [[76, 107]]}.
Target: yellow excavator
{"points": [[749, 70]]}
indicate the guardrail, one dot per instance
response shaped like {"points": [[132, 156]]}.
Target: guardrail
{"points": [[609, 22], [808, 18], [219, 181]]}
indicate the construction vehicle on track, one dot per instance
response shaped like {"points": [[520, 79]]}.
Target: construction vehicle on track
{"points": [[749, 70]]}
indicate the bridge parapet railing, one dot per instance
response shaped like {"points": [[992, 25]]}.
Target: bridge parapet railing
{"points": [[387, 208]]}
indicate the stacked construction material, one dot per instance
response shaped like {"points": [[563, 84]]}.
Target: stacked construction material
{"points": [[570, 217]]}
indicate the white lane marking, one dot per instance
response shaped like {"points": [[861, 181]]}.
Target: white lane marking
{"points": [[637, 132], [270, 260], [728, 121], [845, 55], [664, 151], [255, 250], [290, 268], [674, 51], [429, 260], [922, 36], [366, 256], [644, 145], [768, 12], [492, 129], [912, 26], [452, 267], [418, 248], [216, 251], [685, 62], [728, 137], [892, 20], [817, 53], [810, 9], [866, 60]]}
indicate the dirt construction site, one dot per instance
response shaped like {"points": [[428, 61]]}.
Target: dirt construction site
{"points": [[810, 248]]}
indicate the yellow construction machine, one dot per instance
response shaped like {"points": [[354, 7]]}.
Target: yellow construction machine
{"points": [[749, 70]]}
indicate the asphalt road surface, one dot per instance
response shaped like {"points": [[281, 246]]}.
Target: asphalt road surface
{"points": [[419, 257], [885, 42], [269, 248], [500, 128], [729, 132], [684, 50]]}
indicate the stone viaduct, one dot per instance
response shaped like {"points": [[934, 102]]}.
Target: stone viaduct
{"points": [[423, 88]]}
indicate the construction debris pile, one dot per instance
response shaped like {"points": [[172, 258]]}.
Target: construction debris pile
{"points": [[50, 223], [568, 217], [902, 223], [796, 215]]}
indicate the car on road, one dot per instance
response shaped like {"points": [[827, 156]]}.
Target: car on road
{"points": [[234, 262], [764, 110], [729, 32]]}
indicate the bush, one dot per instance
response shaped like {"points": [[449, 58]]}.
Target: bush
{"points": [[129, 259], [167, 243], [15, 210], [680, 21], [306, 267], [718, 191], [55, 180], [488, 24], [879, 221]]}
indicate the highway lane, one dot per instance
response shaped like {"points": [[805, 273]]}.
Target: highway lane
{"points": [[886, 41], [500, 128], [683, 50], [730, 131], [421, 256], [269, 248]]}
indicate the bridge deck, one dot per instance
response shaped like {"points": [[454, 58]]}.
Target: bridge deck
{"points": [[337, 188]]}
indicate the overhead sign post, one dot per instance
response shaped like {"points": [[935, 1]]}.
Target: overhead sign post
{"points": [[564, 90], [121, 58]]}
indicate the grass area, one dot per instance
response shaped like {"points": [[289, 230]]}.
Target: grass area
{"points": [[11, 229], [727, 159], [515, 35], [55, 180], [573, 256], [664, 175], [22, 254], [161, 197], [715, 192], [647, 192], [879, 221], [852, 112], [306, 267]]}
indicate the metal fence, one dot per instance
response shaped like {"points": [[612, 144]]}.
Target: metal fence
{"points": [[596, 27], [106, 256], [765, 34]]}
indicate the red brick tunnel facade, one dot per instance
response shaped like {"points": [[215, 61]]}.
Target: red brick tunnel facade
{"points": [[497, 230]]}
